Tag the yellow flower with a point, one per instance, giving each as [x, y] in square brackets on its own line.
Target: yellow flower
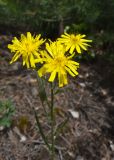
[27, 47]
[57, 63]
[73, 42]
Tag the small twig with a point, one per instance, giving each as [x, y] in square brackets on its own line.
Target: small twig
[80, 99]
[65, 140]
[60, 155]
[60, 127]
[42, 143]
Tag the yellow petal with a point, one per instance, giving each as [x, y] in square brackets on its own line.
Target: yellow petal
[53, 75]
[32, 61]
[42, 71]
[15, 57]
[60, 79]
[78, 48]
[72, 49]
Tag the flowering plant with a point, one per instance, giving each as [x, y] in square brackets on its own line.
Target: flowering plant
[55, 62]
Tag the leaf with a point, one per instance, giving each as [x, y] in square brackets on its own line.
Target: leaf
[74, 114]
[59, 91]
[42, 91]
[5, 122]
[6, 112]
[21, 136]
[23, 123]
[59, 111]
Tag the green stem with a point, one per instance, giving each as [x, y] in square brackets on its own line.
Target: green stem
[43, 97]
[52, 123]
[40, 130]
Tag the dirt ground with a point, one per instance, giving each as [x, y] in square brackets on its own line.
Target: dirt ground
[88, 102]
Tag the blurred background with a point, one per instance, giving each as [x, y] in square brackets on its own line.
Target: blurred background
[53, 17]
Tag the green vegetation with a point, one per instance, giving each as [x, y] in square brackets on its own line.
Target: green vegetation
[6, 111]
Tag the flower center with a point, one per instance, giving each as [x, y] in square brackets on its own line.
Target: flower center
[60, 61]
[74, 39]
[29, 47]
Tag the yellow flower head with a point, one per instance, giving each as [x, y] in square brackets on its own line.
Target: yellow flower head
[27, 47]
[73, 42]
[57, 63]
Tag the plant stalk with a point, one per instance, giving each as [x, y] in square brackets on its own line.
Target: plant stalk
[40, 130]
[52, 123]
